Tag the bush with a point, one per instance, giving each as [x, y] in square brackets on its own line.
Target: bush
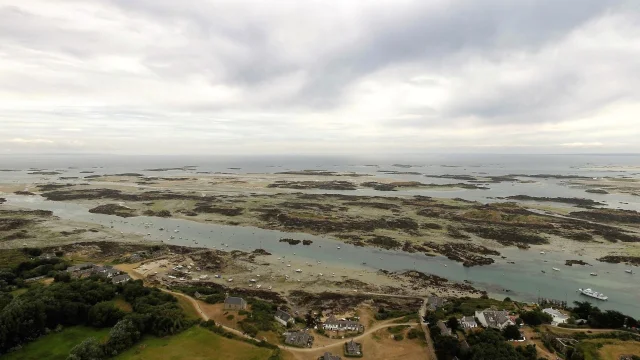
[230, 317]
[535, 317]
[89, 349]
[398, 337]
[415, 333]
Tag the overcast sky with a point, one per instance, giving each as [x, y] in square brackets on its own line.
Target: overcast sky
[334, 77]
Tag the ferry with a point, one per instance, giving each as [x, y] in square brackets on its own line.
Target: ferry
[593, 294]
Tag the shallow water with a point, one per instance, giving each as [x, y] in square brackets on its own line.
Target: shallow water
[524, 279]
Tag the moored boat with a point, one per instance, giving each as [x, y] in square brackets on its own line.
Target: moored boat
[593, 294]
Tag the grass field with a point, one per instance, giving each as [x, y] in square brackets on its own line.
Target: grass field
[606, 349]
[187, 307]
[56, 346]
[195, 343]
[122, 304]
[11, 257]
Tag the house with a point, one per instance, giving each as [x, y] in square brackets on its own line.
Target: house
[468, 322]
[342, 325]
[119, 279]
[106, 271]
[76, 268]
[328, 356]
[234, 303]
[434, 303]
[283, 318]
[558, 317]
[497, 319]
[298, 338]
[352, 348]
[444, 330]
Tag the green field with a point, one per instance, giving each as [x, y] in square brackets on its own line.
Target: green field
[195, 343]
[56, 346]
[187, 307]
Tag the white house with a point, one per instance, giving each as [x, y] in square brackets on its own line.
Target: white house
[494, 319]
[342, 325]
[558, 317]
[468, 322]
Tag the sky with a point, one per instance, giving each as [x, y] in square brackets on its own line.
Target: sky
[319, 77]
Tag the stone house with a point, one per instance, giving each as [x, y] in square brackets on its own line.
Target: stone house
[497, 319]
[298, 338]
[334, 324]
[234, 303]
[283, 317]
[352, 348]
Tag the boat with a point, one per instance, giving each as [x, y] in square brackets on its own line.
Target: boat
[338, 247]
[593, 274]
[629, 271]
[542, 252]
[298, 270]
[593, 294]
[544, 272]
[556, 269]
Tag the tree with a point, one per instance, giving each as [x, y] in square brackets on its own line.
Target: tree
[453, 323]
[123, 335]
[528, 352]
[104, 314]
[511, 332]
[89, 349]
[535, 317]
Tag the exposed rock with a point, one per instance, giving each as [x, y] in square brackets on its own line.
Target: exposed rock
[291, 241]
[575, 262]
[27, 193]
[465, 253]
[44, 173]
[113, 209]
[616, 259]
[324, 185]
[565, 200]
[609, 215]
[597, 191]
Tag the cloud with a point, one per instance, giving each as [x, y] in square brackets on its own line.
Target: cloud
[303, 76]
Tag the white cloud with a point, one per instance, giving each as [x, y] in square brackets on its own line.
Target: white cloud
[160, 76]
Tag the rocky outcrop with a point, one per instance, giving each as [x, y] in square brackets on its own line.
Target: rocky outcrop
[324, 185]
[617, 259]
[114, 209]
[575, 262]
[564, 200]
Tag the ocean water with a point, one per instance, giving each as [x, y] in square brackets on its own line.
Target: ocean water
[523, 281]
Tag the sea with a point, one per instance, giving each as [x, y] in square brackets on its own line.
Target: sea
[523, 281]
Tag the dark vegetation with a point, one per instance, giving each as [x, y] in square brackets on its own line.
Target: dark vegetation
[69, 302]
[488, 344]
[573, 201]
[616, 259]
[324, 185]
[596, 318]
[113, 209]
[609, 215]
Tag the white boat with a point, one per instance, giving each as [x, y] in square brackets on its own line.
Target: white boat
[556, 269]
[258, 286]
[629, 271]
[593, 294]
[542, 252]
[593, 274]
[338, 247]
[298, 270]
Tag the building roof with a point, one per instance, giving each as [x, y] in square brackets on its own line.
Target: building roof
[353, 347]
[555, 313]
[341, 323]
[283, 315]
[299, 338]
[435, 302]
[468, 319]
[120, 278]
[495, 318]
[443, 328]
[329, 356]
[234, 300]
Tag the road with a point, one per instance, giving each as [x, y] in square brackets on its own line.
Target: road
[339, 342]
[427, 334]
